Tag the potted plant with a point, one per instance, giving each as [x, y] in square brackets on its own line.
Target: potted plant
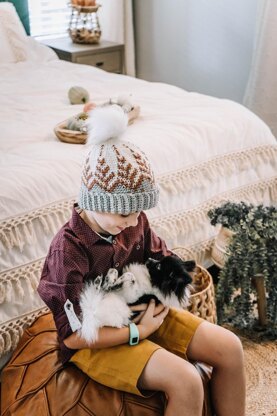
[251, 256]
[227, 216]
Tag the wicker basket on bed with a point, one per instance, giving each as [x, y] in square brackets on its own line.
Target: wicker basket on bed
[69, 136]
[80, 137]
[202, 301]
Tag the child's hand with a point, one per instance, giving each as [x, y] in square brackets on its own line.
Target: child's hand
[141, 309]
[150, 321]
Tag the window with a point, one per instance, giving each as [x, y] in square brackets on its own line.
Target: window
[49, 17]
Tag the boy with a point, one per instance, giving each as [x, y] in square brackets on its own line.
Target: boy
[108, 228]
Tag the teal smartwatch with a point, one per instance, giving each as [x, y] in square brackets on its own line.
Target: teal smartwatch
[134, 334]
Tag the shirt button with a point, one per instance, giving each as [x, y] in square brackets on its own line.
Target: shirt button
[138, 247]
[116, 265]
[114, 241]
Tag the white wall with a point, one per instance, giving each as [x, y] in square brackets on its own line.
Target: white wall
[199, 45]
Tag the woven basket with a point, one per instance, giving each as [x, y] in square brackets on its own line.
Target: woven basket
[69, 136]
[79, 137]
[202, 301]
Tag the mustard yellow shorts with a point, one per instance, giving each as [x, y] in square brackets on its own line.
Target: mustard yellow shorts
[120, 367]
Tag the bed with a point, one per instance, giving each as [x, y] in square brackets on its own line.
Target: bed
[203, 150]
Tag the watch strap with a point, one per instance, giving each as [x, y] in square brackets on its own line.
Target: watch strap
[134, 334]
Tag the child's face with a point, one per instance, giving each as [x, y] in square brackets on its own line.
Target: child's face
[112, 223]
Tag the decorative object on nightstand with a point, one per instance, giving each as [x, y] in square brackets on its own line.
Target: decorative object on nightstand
[84, 24]
[249, 265]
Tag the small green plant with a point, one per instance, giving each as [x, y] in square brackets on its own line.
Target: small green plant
[229, 214]
[252, 252]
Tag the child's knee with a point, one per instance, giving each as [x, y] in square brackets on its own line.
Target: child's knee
[186, 382]
[235, 347]
[233, 354]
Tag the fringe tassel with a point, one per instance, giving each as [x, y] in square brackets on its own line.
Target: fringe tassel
[15, 232]
[19, 292]
[33, 281]
[19, 230]
[15, 339]
[9, 291]
[2, 292]
[44, 224]
[8, 342]
[12, 331]
[2, 343]
[11, 281]
[28, 231]
[188, 221]
[185, 179]
[5, 239]
[29, 286]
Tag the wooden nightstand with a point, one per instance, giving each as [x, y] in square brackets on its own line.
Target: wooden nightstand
[106, 55]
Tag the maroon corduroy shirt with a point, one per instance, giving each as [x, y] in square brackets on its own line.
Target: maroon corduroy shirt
[77, 250]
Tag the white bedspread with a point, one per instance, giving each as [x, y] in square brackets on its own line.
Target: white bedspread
[178, 130]
[203, 150]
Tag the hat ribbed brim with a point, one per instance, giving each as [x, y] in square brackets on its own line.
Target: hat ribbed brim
[117, 203]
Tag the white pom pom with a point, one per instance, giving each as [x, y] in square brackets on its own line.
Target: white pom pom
[106, 123]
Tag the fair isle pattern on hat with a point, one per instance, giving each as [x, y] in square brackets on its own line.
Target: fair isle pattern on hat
[117, 178]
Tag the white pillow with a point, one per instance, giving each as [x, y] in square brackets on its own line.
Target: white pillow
[39, 52]
[13, 38]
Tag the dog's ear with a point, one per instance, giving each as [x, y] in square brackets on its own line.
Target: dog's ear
[177, 284]
[189, 265]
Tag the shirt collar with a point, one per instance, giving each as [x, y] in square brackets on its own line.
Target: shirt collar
[82, 229]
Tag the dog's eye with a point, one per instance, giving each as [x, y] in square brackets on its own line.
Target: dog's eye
[158, 266]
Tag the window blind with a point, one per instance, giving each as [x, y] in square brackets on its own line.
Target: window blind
[49, 17]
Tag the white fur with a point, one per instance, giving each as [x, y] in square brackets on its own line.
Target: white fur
[100, 308]
[105, 123]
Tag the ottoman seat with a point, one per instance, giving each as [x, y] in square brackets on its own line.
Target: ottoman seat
[35, 382]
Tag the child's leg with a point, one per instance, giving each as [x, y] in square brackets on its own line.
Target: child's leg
[221, 349]
[178, 379]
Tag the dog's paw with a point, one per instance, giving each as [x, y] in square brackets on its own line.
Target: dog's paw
[129, 277]
[112, 275]
[98, 282]
[110, 279]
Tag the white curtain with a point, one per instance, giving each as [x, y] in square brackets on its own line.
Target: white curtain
[116, 21]
[261, 91]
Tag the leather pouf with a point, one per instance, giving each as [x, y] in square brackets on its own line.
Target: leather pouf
[34, 383]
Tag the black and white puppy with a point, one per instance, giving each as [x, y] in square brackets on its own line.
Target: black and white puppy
[105, 301]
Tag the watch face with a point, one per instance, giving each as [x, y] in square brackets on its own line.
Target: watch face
[135, 340]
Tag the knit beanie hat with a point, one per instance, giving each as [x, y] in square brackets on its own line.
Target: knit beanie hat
[117, 176]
